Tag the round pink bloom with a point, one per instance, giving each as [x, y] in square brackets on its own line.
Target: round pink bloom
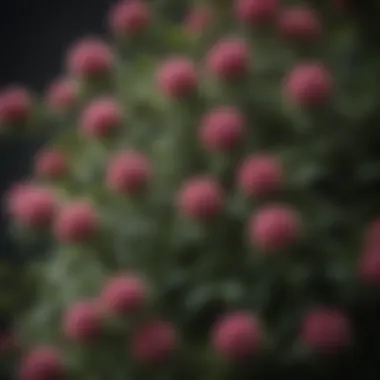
[90, 58]
[198, 20]
[77, 222]
[51, 164]
[222, 129]
[300, 24]
[130, 18]
[274, 228]
[326, 331]
[83, 322]
[101, 118]
[129, 173]
[229, 59]
[16, 105]
[124, 295]
[257, 12]
[369, 267]
[33, 207]
[177, 78]
[237, 336]
[154, 343]
[43, 363]
[16, 194]
[200, 199]
[260, 176]
[62, 95]
[309, 85]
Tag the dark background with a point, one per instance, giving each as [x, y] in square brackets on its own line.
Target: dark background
[34, 36]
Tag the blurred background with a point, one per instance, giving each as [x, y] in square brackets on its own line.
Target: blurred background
[35, 35]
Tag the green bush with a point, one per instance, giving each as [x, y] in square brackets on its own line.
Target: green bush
[209, 197]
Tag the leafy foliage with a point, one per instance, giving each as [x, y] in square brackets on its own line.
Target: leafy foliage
[244, 267]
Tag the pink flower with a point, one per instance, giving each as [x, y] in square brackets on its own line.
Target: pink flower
[177, 78]
[237, 336]
[200, 199]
